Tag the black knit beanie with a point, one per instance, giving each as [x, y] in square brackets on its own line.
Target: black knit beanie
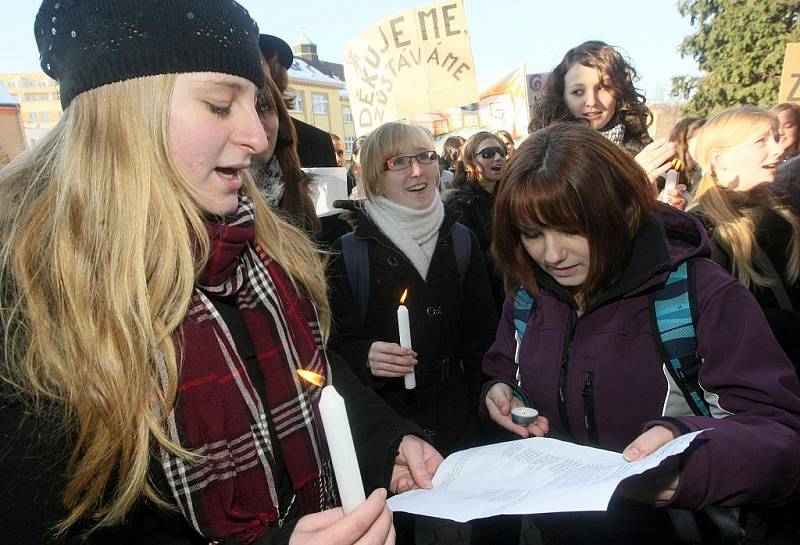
[85, 44]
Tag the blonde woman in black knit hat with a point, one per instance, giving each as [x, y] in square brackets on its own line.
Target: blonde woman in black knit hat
[155, 312]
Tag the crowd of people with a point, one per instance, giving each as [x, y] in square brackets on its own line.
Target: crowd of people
[164, 277]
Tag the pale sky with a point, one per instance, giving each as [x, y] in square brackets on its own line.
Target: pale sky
[504, 33]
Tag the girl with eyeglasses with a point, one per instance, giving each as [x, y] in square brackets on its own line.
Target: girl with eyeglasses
[477, 174]
[410, 243]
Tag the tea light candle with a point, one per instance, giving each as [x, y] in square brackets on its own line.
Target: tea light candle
[524, 416]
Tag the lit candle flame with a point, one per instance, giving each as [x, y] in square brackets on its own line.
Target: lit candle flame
[312, 377]
[403, 297]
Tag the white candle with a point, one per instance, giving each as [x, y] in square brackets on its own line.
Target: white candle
[405, 341]
[340, 446]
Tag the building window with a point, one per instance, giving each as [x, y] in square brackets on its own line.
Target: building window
[320, 103]
[349, 142]
[347, 114]
[298, 101]
[46, 117]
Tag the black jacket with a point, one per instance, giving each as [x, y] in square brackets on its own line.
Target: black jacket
[476, 206]
[452, 320]
[33, 460]
[773, 234]
[314, 146]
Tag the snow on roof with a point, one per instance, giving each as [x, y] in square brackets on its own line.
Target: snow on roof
[303, 70]
[5, 96]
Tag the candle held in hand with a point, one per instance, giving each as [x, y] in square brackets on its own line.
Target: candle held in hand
[404, 328]
[341, 448]
[524, 416]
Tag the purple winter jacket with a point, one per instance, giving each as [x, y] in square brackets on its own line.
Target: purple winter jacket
[606, 365]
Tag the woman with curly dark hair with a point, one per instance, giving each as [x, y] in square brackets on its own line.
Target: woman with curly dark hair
[594, 84]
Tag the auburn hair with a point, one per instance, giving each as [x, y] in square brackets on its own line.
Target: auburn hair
[571, 178]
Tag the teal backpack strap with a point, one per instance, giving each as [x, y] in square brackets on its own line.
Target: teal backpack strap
[356, 263]
[673, 313]
[462, 244]
[524, 307]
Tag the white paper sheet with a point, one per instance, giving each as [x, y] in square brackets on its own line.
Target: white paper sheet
[328, 184]
[527, 476]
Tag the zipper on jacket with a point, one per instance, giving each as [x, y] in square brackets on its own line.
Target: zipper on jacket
[563, 375]
[589, 419]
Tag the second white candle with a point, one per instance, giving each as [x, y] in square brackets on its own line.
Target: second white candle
[404, 328]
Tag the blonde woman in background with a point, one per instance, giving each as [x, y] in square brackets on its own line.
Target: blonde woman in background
[755, 237]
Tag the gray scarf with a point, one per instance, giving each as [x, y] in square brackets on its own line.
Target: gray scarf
[414, 232]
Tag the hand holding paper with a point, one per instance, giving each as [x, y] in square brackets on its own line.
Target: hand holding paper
[535, 475]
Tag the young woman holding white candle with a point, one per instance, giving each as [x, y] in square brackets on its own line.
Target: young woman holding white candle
[155, 312]
[583, 237]
[410, 246]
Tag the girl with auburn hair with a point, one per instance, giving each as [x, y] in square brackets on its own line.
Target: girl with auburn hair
[594, 84]
[754, 235]
[478, 171]
[578, 234]
[155, 312]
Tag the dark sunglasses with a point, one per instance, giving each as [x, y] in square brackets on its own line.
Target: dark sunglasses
[489, 153]
[402, 162]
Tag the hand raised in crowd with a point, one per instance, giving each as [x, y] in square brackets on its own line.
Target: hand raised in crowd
[390, 359]
[657, 486]
[674, 197]
[656, 158]
[415, 465]
[500, 401]
[369, 524]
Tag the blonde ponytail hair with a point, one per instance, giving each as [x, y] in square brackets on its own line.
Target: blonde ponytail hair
[97, 268]
[736, 227]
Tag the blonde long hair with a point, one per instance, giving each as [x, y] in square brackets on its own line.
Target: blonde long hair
[97, 269]
[736, 226]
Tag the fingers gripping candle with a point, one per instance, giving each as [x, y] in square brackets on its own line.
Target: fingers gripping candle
[404, 328]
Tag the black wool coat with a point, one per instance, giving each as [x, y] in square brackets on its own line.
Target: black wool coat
[453, 321]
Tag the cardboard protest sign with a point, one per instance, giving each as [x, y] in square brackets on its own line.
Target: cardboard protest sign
[502, 105]
[414, 62]
[790, 77]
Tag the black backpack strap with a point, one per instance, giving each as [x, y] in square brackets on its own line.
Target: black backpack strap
[462, 244]
[356, 262]
[673, 311]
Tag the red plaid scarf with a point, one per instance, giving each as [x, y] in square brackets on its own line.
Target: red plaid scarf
[219, 415]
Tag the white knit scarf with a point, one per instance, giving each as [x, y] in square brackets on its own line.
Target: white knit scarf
[413, 231]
